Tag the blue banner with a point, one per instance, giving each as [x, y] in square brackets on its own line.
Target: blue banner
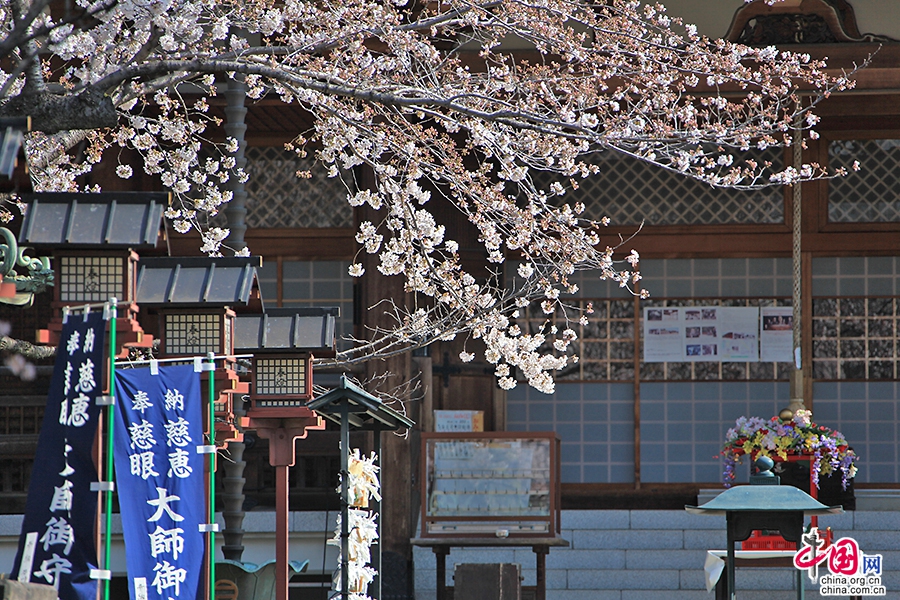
[160, 480]
[57, 546]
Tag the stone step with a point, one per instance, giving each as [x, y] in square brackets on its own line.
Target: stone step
[656, 555]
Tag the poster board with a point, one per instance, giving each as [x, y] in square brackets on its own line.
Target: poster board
[458, 420]
[701, 333]
[776, 333]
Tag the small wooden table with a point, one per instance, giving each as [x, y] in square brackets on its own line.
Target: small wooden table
[540, 545]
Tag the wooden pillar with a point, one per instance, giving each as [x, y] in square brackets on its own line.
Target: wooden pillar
[235, 127]
[282, 435]
[397, 525]
[282, 538]
[233, 497]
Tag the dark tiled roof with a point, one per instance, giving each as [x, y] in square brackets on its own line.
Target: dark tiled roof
[118, 219]
[287, 329]
[196, 281]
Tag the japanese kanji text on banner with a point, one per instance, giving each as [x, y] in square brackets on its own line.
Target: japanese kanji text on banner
[56, 546]
[160, 480]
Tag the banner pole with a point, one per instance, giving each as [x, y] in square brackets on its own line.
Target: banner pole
[211, 366]
[110, 421]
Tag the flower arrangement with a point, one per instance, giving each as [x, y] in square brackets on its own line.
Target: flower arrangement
[797, 435]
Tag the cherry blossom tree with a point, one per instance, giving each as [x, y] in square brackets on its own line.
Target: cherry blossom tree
[459, 99]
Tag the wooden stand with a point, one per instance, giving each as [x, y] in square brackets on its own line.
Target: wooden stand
[441, 548]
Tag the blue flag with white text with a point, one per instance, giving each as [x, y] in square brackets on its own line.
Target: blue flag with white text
[160, 480]
[56, 546]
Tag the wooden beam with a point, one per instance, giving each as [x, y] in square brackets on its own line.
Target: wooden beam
[299, 244]
[722, 244]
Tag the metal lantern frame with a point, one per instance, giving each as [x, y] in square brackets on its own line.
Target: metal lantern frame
[295, 333]
[349, 405]
[284, 337]
[87, 276]
[762, 506]
[202, 292]
[214, 324]
[289, 373]
[85, 230]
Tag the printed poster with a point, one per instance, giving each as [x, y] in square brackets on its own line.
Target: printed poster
[699, 333]
[776, 335]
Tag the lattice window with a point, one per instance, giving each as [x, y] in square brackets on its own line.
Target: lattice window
[312, 283]
[18, 420]
[605, 346]
[629, 191]
[192, 334]
[869, 195]
[278, 198]
[856, 338]
[90, 278]
[16, 474]
[715, 371]
[280, 376]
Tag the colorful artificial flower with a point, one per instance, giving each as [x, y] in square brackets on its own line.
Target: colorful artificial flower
[828, 448]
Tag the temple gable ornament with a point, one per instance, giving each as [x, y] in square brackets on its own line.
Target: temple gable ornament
[797, 22]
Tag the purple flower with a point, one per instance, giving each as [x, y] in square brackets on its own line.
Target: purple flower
[753, 434]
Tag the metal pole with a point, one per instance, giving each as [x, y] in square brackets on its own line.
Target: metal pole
[211, 419]
[181, 359]
[376, 551]
[729, 565]
[345, 500]
[110, 421]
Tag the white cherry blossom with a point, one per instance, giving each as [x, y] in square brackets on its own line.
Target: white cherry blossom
[430, 100]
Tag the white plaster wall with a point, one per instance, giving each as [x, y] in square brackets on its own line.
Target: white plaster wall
[878, 16]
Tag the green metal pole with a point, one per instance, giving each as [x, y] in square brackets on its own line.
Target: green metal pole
[345, 499]
[211, 361]
[110, 422]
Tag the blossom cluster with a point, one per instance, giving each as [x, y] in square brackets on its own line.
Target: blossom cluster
[827, 448]
[432, 103]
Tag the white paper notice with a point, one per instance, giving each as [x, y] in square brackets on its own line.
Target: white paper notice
[663, 335]
[140, 588]
[739, 334]
[27, 563]
[701, 333]
[776, 336]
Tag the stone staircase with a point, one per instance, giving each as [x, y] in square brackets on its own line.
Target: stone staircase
[659, 555]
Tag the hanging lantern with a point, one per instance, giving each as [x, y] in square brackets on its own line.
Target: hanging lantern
[193, 299]
[93, 238]
[93, 241]
[283, 341]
